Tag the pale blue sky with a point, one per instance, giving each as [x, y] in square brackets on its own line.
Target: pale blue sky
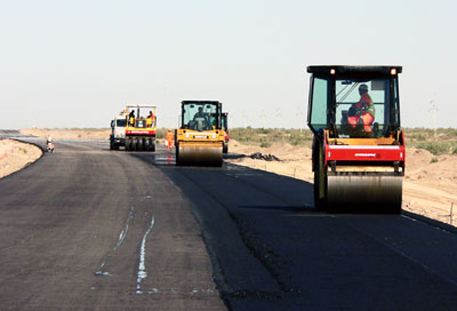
[77, 63]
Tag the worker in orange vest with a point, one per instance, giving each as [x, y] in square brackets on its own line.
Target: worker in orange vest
[362, 111]
[169, 139]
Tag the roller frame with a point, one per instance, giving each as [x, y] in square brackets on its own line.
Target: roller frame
[369, 177]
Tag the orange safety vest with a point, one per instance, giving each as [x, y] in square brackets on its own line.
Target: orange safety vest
[169, 137]
[365, 100]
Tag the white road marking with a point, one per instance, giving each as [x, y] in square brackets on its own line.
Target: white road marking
[142, 274]
[121, 238]
[194, 291]
[124, 231]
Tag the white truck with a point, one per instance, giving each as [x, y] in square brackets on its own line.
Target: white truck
[117, 137]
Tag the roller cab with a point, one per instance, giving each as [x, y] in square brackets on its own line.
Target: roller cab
[200, 138]
[358, 145]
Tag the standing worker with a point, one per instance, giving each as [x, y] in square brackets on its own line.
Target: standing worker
[169, 139]
[150, 119]
[131, 119]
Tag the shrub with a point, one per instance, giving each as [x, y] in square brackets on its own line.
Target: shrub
[265, 144]
[434, 147]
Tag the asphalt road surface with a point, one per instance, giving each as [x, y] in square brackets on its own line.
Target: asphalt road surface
[89, 228]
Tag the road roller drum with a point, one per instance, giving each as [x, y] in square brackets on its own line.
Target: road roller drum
[204, 155]
[351, 190]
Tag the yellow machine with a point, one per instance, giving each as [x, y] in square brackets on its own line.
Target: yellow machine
[200, 139]
[140, 130]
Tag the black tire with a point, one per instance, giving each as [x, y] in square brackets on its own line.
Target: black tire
[140, 144]
[134, 144]
[127, 144]
[147, 144]
[225, 148]
[153, 145]
[320, 180]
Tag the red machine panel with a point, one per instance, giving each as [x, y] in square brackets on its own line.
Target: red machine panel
[364, 153]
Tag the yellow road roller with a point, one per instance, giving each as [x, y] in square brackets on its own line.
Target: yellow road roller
[200, 138]
[358, 154]
[140, 129]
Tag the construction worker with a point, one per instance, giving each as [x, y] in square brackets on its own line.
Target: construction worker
[132, 118]
[363, 111]
[169, 139]
[200, 113]
[48, 139]
[201, 120]
[149, 119]
[49, 144]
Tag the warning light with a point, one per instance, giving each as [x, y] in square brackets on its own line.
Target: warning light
[393, 71]
[332, 71]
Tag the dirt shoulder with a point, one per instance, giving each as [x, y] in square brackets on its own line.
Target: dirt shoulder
[429, 187]
[15, 155]
[68, 133]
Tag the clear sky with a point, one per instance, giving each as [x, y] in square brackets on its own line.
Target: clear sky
[77, 63]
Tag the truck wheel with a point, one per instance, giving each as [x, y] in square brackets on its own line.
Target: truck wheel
[153, 146]
[127, 144]
[134, 143]
[140, 144]
[145, 144]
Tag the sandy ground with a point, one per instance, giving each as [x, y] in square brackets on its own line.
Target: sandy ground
[15, 155]
[68, 133]
[429, 188]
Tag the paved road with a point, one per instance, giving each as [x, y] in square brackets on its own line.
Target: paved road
[87, 228]
[116, 230]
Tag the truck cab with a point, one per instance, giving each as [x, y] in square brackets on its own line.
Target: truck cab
[117, 137]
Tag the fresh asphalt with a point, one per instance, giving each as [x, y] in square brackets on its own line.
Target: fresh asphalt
[90, 228]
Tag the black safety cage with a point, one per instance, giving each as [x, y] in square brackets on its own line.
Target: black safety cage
[215, 116]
